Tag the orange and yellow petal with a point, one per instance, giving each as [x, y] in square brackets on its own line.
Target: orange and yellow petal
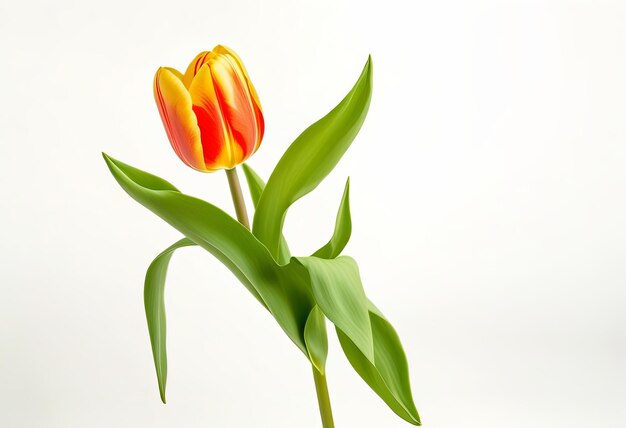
[260, 124]
[237, 105]
[215, 134]
[175, 107]
[258, 111]
[224, 50]
[194, 67]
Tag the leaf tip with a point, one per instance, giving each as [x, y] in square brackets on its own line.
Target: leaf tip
[162, 392]
[109, 161]
[366, 77]
[369, 64]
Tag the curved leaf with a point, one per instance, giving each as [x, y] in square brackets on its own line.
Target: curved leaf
[154, 286]
[316, 339]
[343, 229]
[388, 376]
[230, 242]
[309, 159]
[256, 185]
[337, 289]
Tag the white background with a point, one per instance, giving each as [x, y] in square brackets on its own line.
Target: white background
[488, 196]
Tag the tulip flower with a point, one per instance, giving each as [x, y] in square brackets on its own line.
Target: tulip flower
[212, 115]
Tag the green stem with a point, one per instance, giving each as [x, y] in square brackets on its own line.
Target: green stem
[323, 399]
[238, 201]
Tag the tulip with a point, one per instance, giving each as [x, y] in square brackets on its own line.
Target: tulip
[212, 115]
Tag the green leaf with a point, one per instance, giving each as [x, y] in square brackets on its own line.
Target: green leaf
[256, 185]
[337, 289]
[316, 339]
[388, 376]
[154, 284]
[153, 291]
[309, 159]
[343, 229]
[282, 291]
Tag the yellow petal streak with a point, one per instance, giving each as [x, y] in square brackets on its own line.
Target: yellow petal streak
[175, 106]
[220, 49]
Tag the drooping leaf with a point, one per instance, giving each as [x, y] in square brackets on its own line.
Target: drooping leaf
[309, 159]
[154, 286]
[343, 229]
[229, 241]
[388, 376]
[256, 185]
[316, 339]
[337, 289]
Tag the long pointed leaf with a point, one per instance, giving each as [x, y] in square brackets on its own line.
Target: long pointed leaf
[256, 185]
[343, 229]
[229, 242]
[388, 376]
[309, 159]
[154, 287]
[153, 291]
[388, 373]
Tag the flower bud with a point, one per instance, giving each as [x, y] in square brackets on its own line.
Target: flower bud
[212, 115]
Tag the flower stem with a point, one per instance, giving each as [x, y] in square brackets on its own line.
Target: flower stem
[238, 201]
[323, 399]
